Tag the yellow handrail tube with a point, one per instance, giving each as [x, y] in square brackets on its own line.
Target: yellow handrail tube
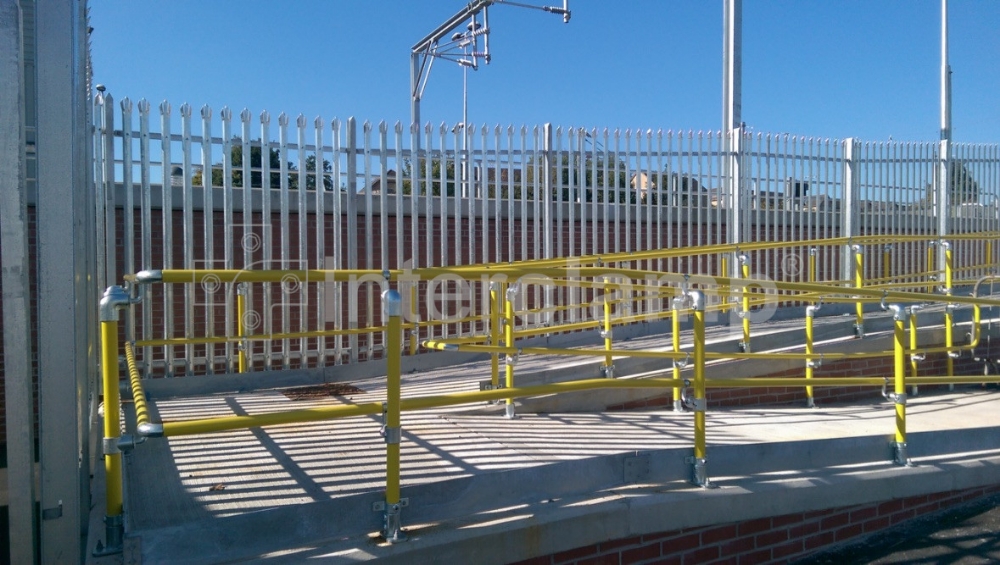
[135, 383]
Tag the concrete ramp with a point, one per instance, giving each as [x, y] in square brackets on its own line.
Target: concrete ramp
[536, 484]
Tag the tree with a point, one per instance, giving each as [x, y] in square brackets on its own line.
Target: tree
[962, 187]
[274, 163]
[435, 178]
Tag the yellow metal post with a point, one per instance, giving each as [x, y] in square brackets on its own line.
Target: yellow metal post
[496, 309]
[886, 260]
[948, 270]
[899, 384]
[989, 253]
[723, 289]
[112, 424]
[810, 363]
[699, 463]
[675, 327]
[508, 338]
[948, 317]
[745, 270]
[930, 260]
[608, 369]
[241, 329]
[414, 313]
[914, 358]
[114, 299]
[812, 264]
[949, 340]
[392, 302]
[859, 282]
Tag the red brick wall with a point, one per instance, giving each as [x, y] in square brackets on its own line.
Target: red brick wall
[934, 364]
[777, 539]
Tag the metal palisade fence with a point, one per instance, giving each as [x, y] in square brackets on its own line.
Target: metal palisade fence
[222, 191]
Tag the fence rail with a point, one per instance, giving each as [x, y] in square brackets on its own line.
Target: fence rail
[240, 192]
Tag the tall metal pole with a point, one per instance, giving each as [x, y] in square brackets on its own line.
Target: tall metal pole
[944, 178]
[732, 132]
[945, 76]
[65, 265]
[732, 60]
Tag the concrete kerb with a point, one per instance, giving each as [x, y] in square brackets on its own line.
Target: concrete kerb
[512, 513]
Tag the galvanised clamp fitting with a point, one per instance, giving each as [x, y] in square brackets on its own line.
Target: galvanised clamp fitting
[899, 454]
[897, 398]
[512, 359]
[392, 529]
[392, 435]
[682, 364]
[815, 363]
[114, 537]
[607, 372]
[699, 472]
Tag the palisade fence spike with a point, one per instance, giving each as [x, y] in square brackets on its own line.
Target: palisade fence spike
[245, 115]
[164, 108]
[143, 106]
[318, 124]
[398, 126]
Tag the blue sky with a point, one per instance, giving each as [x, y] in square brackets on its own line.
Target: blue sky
[831, 68]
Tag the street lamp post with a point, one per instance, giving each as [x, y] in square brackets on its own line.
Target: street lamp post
[423, 53]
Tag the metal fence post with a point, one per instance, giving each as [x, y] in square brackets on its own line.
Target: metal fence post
[849, 212]
[16, 297]
[352, 232]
